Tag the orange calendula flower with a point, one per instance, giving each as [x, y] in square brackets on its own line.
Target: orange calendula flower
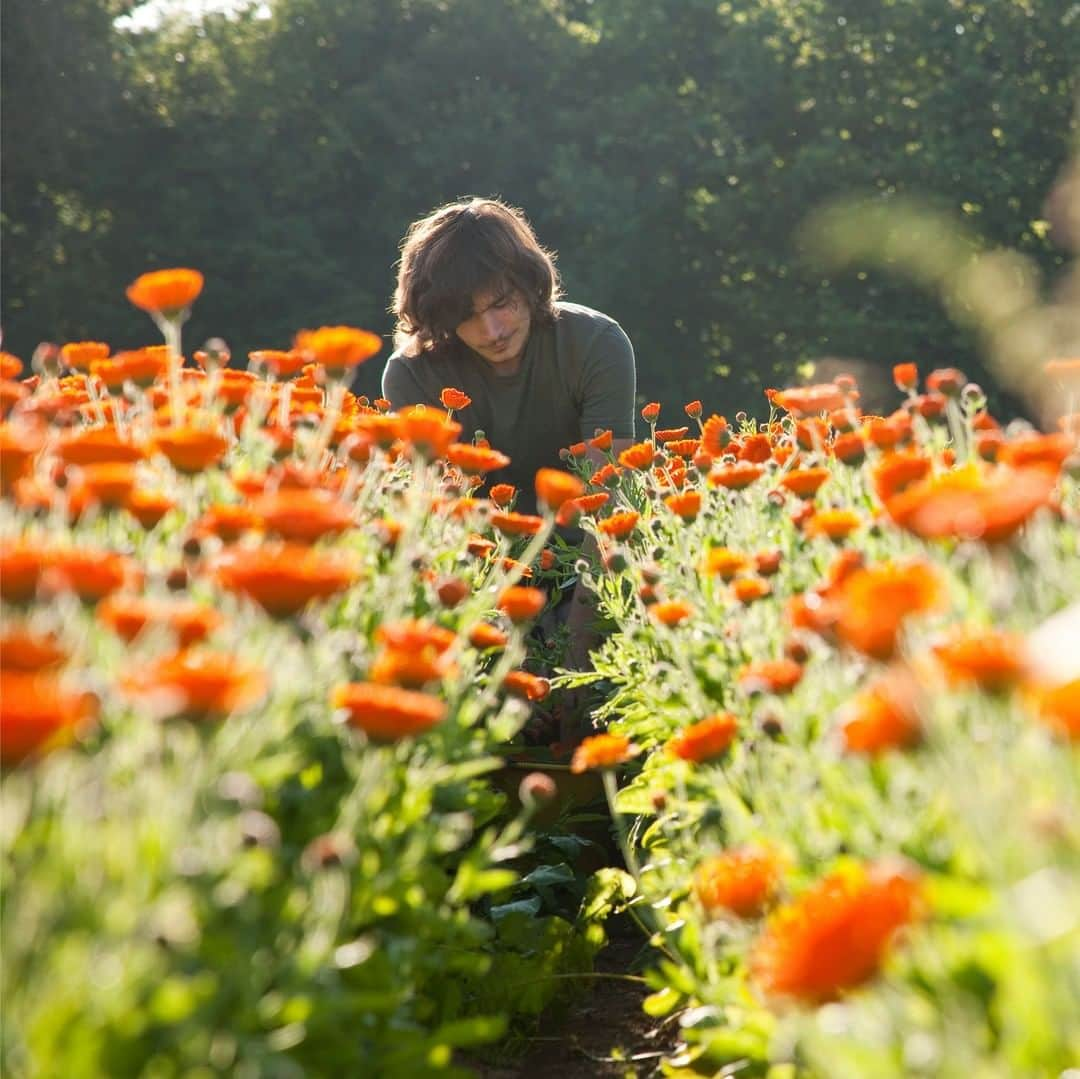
[602, 751]
[873, 604]
[190, 449]
[755, 449]
[503, 494]
[970, 504]
[302, 516]
[811, 400]
[553, 487]
[946, 380]
[415, 635]
[284, 579]
[454, 399]
[736, 477]
[484, 635]
[21, 649]
[705, 740]
[527, 686]
[887, 432]
[638, 457]
[197, 685]
[812, 434]
[517, 524]
[79, 355]
[686, 504]
[1046, 451]
[671, 612]
[128, 616]
[90, 574]
[338, 348]
[768, 561]
[141, 367]
[1059, 708]
[21, 567]
[19, 445]
[849, 448]
[281, 363]
[771, 676]
[97, 445]
[602, 441]
[740, 881]
[606, 476]
[670, 434]
[881, 717]
[109, 484]
[906, 376]
[989, 659]
[835, 936]
[37, 714]
[749, 589]
[687, 448]
[11, 365]
[619, 525]
[427, 430]
[166, 291]
[520, 604]
[387, 713]
[834, 524]
[715, 435]
[650, 412]
[805, 482]
[725, 563]
[475, 460]
[693, 409]
[412, 669]
[896, 471]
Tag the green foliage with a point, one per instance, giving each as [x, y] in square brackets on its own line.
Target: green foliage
[668, 150]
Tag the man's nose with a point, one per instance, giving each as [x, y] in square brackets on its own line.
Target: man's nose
[493, 324]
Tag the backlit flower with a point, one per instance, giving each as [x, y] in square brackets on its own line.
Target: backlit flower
[770, 676]
[619, 525]
[706, 739]
[755, 448]
[21, 649]
[412, 668]
[735, 477]
[484, 635]
[882, 717]
[724, 563]
[529, 687]
[836, 935]
[990, 659]
[969, 504]
[128, 616]
[97, 445]
[302, 516]
[79, 355]
[740, 881]
[517, 524]
[190, 449]
[749, 589]
[805, 482]
[553, 487]
[429, 432]
[90, 573]
[906, 376]
[1059, 708]
[284, 579]
[280, 363]
[811, 400]
[715, 435]
[873, 604]
[650, 412]
[520, 603]
[834, 524]
[195, 684]
[1048, 451]
[387, 713]
[37, 714]
[338, 348]
[946, 380]
[602, 441]
[166, 291]
[638, 457]
[896, 471]
[671, 612]
[454, 399]
[686, 504]
[602, 751]
[475, 460]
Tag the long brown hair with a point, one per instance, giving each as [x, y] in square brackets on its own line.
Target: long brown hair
[461, 249]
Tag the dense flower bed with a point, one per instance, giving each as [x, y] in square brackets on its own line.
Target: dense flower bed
[261, 653]
[844, 690]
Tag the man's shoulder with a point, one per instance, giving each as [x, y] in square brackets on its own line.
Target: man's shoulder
[577, 318]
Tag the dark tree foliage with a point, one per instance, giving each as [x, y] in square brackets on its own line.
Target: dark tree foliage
[668, 149]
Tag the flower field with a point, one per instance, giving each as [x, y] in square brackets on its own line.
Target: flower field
[267, 666]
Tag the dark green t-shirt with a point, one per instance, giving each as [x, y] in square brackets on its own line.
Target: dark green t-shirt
[576, 376]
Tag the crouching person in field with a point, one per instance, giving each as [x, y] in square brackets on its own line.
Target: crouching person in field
[479, 308]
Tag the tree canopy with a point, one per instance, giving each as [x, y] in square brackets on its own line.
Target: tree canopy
[669, 150]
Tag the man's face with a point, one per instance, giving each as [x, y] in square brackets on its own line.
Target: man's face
[498, 327]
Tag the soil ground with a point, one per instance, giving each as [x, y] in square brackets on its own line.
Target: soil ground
[604, 1034]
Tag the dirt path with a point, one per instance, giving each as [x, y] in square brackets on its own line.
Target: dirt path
[604, 1034]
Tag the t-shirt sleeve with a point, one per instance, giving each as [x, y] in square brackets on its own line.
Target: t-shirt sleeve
[400, 386]
[608, 385]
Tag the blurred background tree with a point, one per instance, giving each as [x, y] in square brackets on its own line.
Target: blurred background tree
[667, 149]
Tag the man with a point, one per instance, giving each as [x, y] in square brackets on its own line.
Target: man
[478, 308]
